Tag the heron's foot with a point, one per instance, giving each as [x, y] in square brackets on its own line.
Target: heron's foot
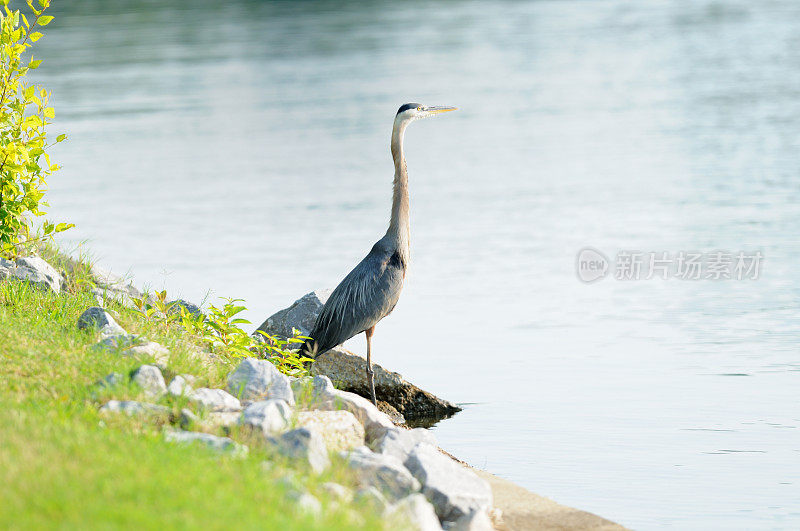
[371, 380]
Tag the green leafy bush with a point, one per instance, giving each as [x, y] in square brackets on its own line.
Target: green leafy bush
[24, 115]
[219, 332]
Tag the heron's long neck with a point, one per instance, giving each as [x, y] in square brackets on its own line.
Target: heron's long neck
[399, 225]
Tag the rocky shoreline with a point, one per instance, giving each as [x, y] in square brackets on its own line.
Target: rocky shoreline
[311, 423]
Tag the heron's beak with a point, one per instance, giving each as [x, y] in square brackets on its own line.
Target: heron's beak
[440, 109]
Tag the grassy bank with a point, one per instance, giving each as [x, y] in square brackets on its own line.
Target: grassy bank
[65, 464]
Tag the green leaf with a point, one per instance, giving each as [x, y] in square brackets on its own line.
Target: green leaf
[45, 20]
[61, 137]
[34, 64]
[35, 36]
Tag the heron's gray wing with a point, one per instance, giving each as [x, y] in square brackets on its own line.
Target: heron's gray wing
[365, 296]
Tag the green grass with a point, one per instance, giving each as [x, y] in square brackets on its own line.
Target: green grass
[64, 465]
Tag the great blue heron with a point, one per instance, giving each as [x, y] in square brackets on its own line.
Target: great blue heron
[371, 290]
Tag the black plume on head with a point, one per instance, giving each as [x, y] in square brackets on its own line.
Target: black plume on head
[408, 106]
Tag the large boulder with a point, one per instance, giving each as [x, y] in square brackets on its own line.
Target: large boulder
[302, 314]
[33, 270]
[454, 490]
[384, 472]
[340, 429]
[254, 379]
[348, 370]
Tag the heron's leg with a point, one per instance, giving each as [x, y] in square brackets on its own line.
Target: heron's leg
[370, 373]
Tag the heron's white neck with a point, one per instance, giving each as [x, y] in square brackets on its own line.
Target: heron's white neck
[399, 224]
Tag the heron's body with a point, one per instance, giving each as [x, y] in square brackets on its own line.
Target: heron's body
[371, 290]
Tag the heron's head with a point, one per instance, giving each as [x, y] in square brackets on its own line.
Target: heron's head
[415, 111]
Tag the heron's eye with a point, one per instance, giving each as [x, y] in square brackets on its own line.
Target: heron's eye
[419, 108]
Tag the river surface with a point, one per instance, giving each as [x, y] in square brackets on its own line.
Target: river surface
[241, 149]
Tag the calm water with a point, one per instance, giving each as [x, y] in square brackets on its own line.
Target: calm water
[242, 148]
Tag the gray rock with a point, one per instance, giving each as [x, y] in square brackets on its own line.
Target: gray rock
[223, 444]
[179, 386]
[477, 520]
[302, 314]
[268, 416]
[371, 497]
[150, 379]
[33, 270]
[305, 502]
[220, 419]
[340, 429]
[348, 370]
[188, 419]
[325, 397]
[417, 511]
[453, 489]
[303, 444]
[149, 349]
[176, 305]
[337, 491]
[131, 407]
[399, 442]
[109, 282]
[384, 472]
[111, 380]
[215, 399]
[119, 341]
[96, 318]
[255, 379]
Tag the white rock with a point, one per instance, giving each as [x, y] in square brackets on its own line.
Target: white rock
[303, 444]
[418, 512]
[306, 503]
[179, 386]
[149, 349]
[325, 397]
[254, 379]
[453, 489]
[33, 270]
[337, 491]
[150, 379]
[399, 442]
[131, 407]
[340, 429]
[212, 441]
[268, 416]
[384, 472]
[215, 399]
